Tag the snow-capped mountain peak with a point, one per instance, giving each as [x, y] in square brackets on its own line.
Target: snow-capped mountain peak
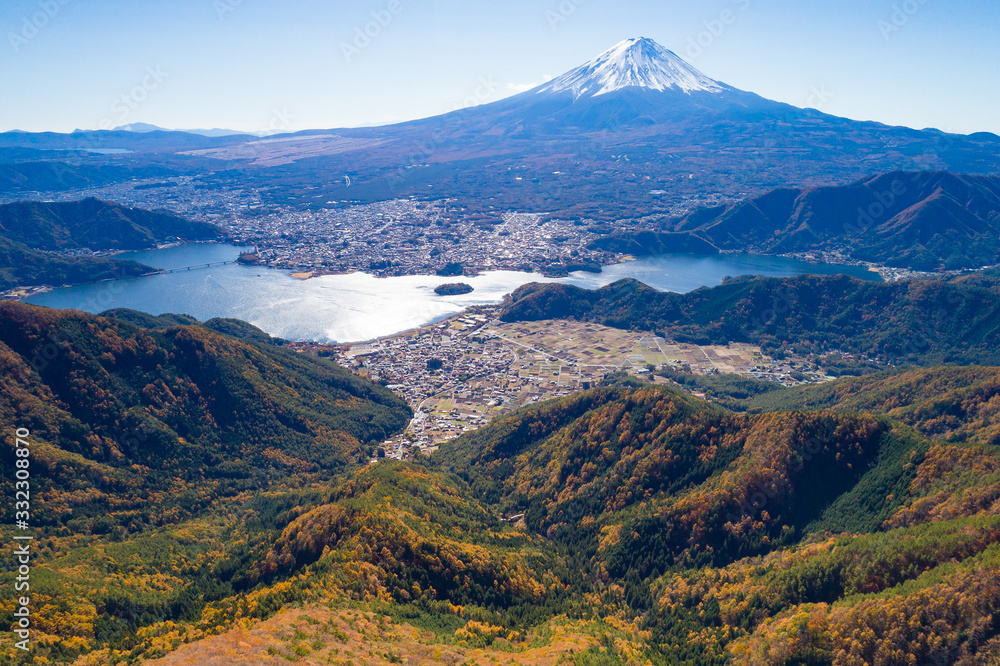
[633, 63]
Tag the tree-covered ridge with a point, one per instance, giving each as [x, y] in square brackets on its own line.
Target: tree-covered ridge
[960, 404]
[394, 537]
[31, 230]
[412, 534]
[653, 480]
[95, 224]
[922, 588]
[919, 220]
[923, 321]
[193, 479]
[922, 595]
[146, 320]
[22, 266]
[234, 328]
[779, 486]
[119, 410]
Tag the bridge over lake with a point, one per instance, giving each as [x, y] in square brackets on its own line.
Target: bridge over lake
[178, 269]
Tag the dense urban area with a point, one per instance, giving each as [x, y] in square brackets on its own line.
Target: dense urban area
[403, 236]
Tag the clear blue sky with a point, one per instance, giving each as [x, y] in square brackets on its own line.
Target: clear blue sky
[254, 64]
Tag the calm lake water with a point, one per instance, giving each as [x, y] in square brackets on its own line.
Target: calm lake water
[347, 308]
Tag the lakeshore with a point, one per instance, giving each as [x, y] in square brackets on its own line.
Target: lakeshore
[360, 306]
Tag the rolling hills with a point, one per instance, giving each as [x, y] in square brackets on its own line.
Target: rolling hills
[97, 225]
[197, 494]
[22, 266]
[661, 476]
[857, 525]
[914, 321]
[613, 526]
[957, 404]
[920, 220]
[32, 234]
[127, 413]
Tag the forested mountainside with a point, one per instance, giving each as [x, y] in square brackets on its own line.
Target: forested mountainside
[32, 234]
[194, 481]
[22, 266]
[124, 413]
[953, 403]
[923, 220]
[926, 322]
[802, 537]
[95, 224]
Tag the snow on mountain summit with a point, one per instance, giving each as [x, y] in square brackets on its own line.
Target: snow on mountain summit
[633, 63]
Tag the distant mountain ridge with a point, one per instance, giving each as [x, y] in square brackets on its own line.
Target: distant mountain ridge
[95, 224]
[30, 231]
[216, 131]
[921, 220]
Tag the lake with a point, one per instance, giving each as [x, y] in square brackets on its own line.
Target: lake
[355, 307]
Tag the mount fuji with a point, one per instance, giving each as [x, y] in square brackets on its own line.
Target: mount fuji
[635, 83]
[633, 63]
[636, 131]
